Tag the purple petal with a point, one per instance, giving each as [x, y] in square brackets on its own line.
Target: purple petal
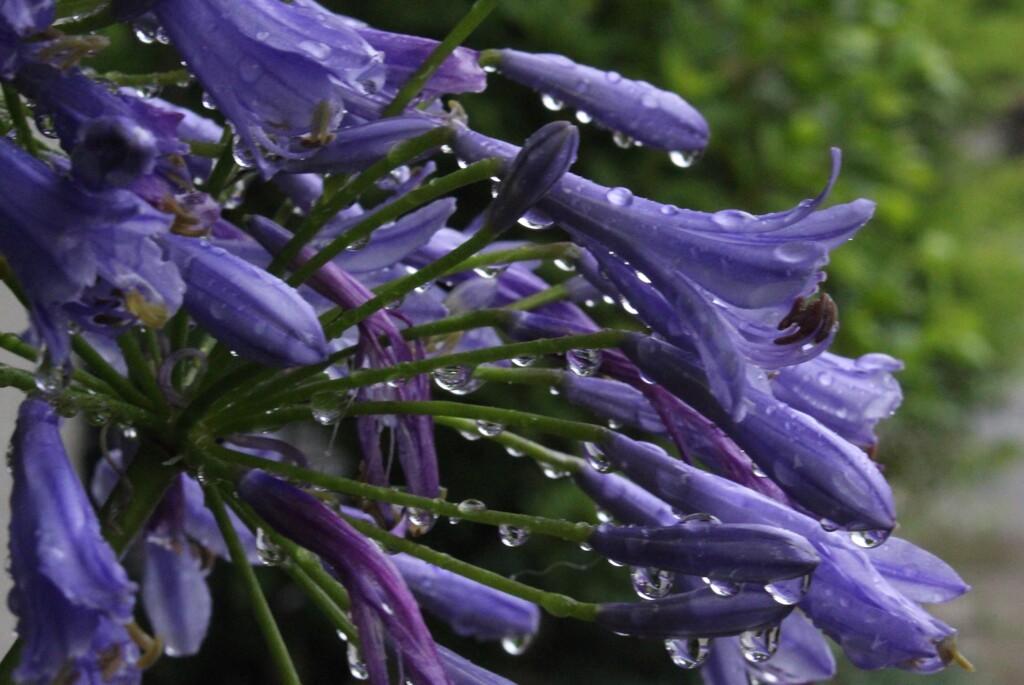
[403, 55]
[917, 573]
[651, 116]
[464, 672]
[175, 595]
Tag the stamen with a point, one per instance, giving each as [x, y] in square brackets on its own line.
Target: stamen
[815, 320]
[948, 651]
[184, 221]
[320, 134]
[151, 647]
[65, 52]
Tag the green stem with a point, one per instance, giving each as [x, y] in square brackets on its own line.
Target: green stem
[438, 187]
[135, 497]
[217, 181]
[554, 603]
[140, 370]
[17, 112]
[326, 208]
[459, 322]
[400, 287]
[551, 294]
[291, 394]
[107, 373]
[94, 15]
[559, 461]
[517, 254]
[565, 530]
[551, 378]
[157, 78]
[261, 609]
[477, 13]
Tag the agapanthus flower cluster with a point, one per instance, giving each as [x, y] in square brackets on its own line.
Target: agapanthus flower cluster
[198, 282]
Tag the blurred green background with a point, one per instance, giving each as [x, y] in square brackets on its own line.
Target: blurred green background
[926, 99]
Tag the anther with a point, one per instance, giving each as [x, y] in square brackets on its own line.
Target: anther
[815, 320]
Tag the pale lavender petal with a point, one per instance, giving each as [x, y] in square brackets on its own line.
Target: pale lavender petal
[175, 595]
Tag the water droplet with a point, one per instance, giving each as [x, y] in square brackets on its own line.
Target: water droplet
[689, 653]
[356, 667]
[614, 424]
[145, 35]
[420, 520]
[329, 407]
[722, 588]
[669, 210]
[45, 125]
[758, 471]
[869, 538]
[514, 452]
[620, 197]
[49, 378]
[651, 583]
[471, 506]
[490, 69]
[699, 517]
[397, 382]
[583, 117]
[262, 36]
[457, 380]
[584, 362]
[759, 646]
[554, 391]
[605, 517]
[242, 154]
[825, 379]
[511, 536]
[565, 265]
[341, 635]
[490, 271]
[208, 102]
[269, 552]
[489, 429]
[790, 591]
[97, 418]
[315, 49]
[596, 457]
[358, 244]
[553, 473]
[732, 218]
[535, 220]
[829, 526]
[623, 140]
[471, 436]
[628, 306]
[525, 360]
[682, 158]
[516, 645]
[551, 103]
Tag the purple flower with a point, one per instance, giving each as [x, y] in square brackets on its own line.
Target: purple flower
[849, 599]
[849, 396]
[71, 595]
[635, 109]
[255, 314]
[278, 71]
[734, 552]
[380, 599]
[699, 613]
[113, 138]
[544, 158]
[464, 672]
[82, 257]
[470, 608]
[20, 19]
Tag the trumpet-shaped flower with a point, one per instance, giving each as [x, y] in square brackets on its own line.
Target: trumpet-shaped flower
[71, 595]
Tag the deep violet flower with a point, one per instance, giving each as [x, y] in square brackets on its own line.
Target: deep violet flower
[279, 71]
[71, 595]
[635, 109]
[20, 19]
[380, 599]
[82, 257]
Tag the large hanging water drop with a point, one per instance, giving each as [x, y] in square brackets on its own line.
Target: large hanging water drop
[356, 666]
[689, 653]
[651, 583]
[759, 646]
[868, 539]
[457, 380]
[584, 363]
[790, 591]
[722, 588]
[269, 552]
[512, 536]
[516, 644]
[596, 457]
[420, 521]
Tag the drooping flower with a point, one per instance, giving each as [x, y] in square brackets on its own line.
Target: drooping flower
[380, 599]
[279, 71]
[83, 257]
[71, 595]
[634, 109]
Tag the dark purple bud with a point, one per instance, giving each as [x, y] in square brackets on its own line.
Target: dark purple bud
[733, 552]
[623, 499]
[699, 613]
[255, 314]
[635, 109]
[357, 147]
[470, 608]
[380, 599]
[545, 157]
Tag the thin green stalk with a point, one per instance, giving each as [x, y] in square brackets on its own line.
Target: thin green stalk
[18, 118]
[518, 445]
[156, 78]
[94, 15]
[140, 369]
[458, 322]
[217, 181]
[554, 603]
[477, 13]
[327, 207]
[261, 609]
[291, 394]
[135, 497]
[551, 378]
[400, 287]
[438, 187]
[565, 530]
[107, 373]
[554, 293]
[524, 253]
